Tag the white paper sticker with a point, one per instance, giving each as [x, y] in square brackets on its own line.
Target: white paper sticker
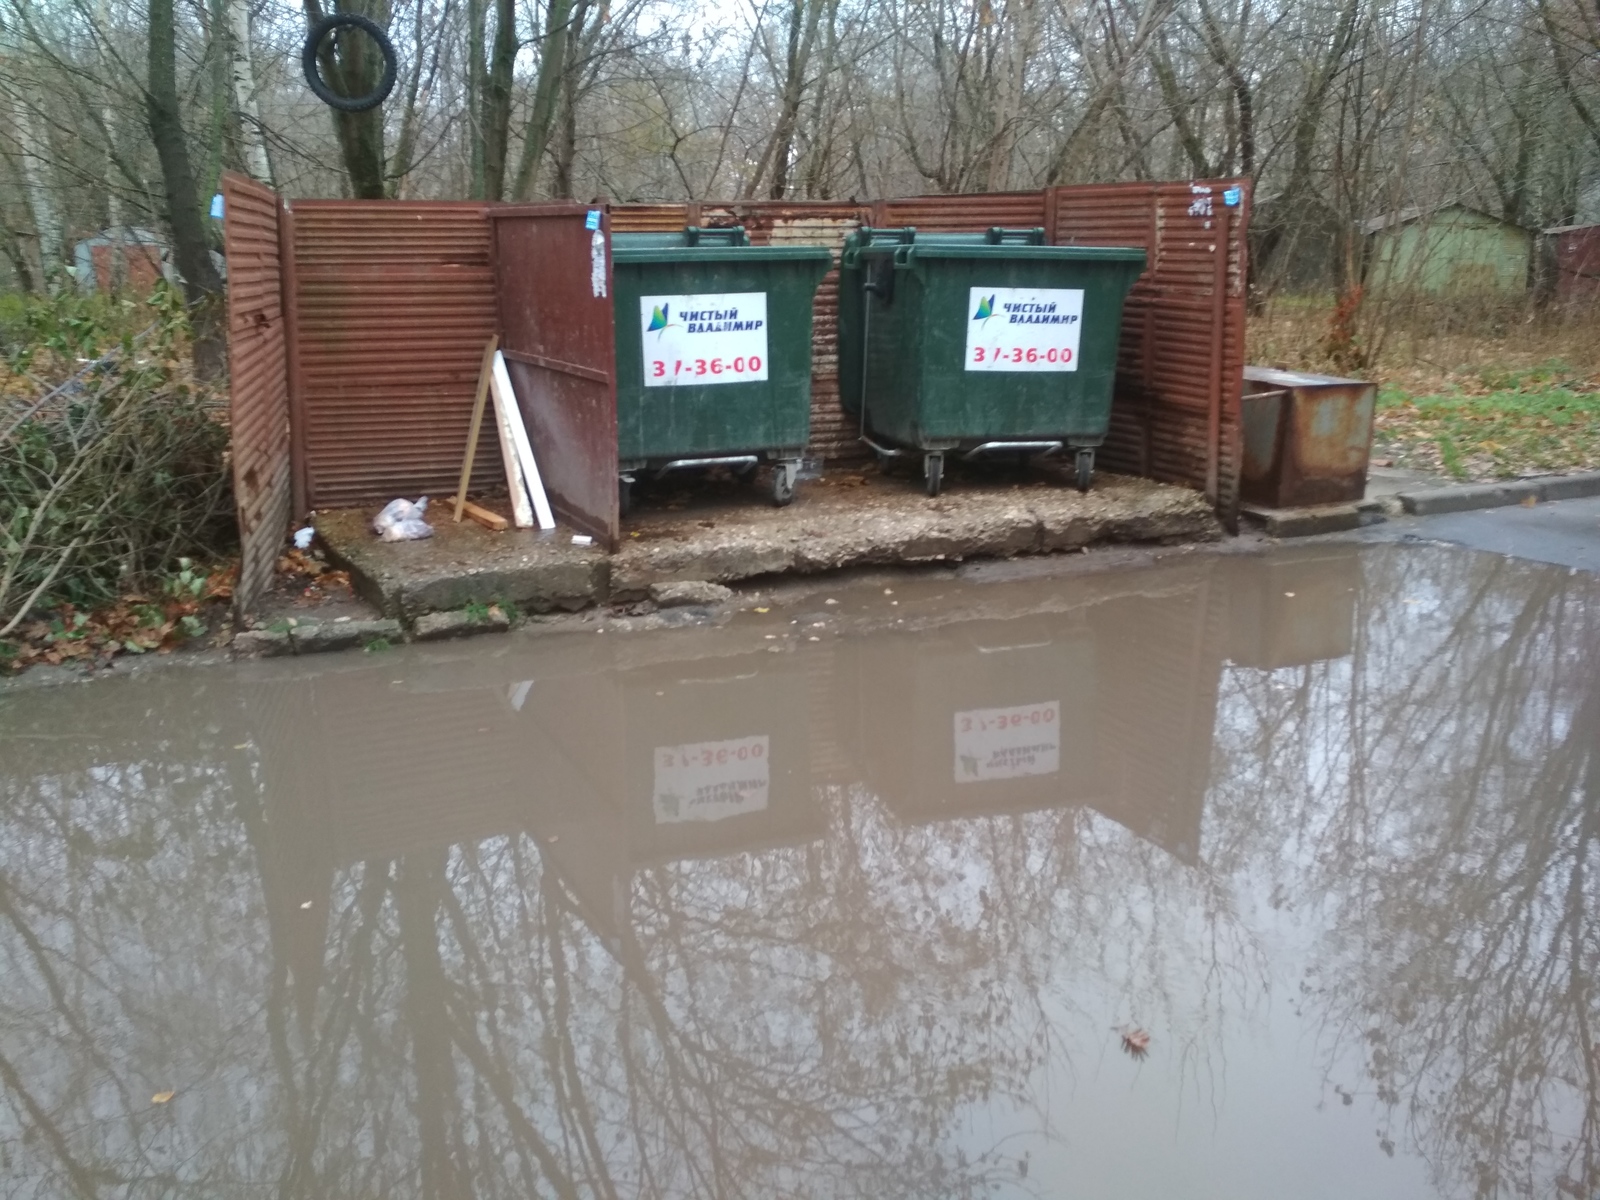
[1007, 743]
[597, 264]
[1023, 329]
[714, 337]
[710, 781]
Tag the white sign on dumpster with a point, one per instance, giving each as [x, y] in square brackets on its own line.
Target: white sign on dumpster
[711, 781]
[1008, 743]
[1023, 329]
[711, 337]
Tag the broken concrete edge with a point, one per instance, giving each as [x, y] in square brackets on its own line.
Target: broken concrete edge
[1309, 522]
[1498, 495]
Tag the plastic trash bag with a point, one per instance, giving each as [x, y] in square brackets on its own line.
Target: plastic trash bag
[395, 512]
[304, 537]
[409, 530]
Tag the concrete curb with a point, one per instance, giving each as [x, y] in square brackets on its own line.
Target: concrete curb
[1497, 495]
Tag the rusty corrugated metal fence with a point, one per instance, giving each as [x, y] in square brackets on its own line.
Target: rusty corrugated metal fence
[259, 391]
[393, 302]
[389, 303]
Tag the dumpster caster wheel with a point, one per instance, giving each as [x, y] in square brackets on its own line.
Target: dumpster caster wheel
[933, 472]
[624, 497]
[783, 482]
[1085, 469]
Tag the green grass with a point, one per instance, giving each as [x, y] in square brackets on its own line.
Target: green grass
[1529, 422]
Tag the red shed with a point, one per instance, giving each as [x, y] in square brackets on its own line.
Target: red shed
[1577, 263]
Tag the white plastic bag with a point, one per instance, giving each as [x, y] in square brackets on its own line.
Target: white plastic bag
[409, 530]
[395, 512]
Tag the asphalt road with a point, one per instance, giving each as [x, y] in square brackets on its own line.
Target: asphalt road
[1565, 532]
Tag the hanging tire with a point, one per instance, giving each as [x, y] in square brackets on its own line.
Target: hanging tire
[933, 472]
[313, 72]
[1085, 469]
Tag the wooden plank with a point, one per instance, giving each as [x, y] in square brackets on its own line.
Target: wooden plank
[519, 436]
[485, 369]
[505, 404]
[480, 514]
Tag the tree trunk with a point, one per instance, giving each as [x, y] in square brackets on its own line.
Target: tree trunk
[495, 122]
[552, 73]
[35, 165]
[190, 247]
[352, 66]
[247, 111]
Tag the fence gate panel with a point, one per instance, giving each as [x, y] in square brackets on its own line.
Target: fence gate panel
[554, 283]
[259, 381]
[1180, 364]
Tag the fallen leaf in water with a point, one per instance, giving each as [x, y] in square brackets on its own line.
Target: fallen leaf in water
[162, 1097]
[1135, 1041]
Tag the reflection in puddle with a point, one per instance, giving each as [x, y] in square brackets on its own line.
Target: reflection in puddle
[709, 913]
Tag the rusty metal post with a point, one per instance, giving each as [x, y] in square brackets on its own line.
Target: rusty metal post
[299, 481]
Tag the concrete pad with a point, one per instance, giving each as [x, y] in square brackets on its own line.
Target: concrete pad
[869, 519]
[723, 533]
[437, 626]
[1306, 522]
[463, 564]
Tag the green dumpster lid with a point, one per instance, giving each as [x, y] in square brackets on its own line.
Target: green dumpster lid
[948, 249]
[694, 244]
[657, 253]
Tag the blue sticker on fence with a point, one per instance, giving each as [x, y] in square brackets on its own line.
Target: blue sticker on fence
[1231, 197]
[216, 207]
[592, 221]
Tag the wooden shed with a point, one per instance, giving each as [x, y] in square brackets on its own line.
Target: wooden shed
[1451, 250]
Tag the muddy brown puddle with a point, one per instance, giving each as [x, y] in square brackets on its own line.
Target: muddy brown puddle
[876, 898]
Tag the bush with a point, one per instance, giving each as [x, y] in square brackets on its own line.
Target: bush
[109, 475]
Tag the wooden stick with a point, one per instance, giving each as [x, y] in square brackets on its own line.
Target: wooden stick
[484, 372]
[483, 516]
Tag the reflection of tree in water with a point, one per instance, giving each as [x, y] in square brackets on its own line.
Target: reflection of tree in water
[1441, 790]
[810, 1020]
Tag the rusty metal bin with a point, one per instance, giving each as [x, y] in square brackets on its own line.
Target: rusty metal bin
[1307, 438]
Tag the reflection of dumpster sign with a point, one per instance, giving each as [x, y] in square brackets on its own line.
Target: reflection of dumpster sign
[713, 337]
[1023, 329]
[1008, 743]
[710, 781]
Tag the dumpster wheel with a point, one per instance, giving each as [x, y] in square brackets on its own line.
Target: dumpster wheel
[1085, 467]
[624, 496]
[933, 472]
[783, 476]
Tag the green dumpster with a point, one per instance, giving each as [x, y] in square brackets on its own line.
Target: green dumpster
[978, 344]
[713, 353]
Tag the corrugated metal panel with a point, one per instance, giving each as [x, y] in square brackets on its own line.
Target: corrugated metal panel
[1181, 358]
[259, 381]
[968, 213]
[395, 302]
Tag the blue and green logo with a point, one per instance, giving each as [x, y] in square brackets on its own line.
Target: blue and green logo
[985, 308]
[660, 316]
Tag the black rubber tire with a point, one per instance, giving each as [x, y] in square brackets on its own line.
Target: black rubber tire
[933, 472]
[782, 489]
[624, 497]
[314, 80]
[1085, 469]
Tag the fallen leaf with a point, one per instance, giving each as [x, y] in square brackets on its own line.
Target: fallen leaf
[763, 610]
[162, 1097]
[1135, 1041]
